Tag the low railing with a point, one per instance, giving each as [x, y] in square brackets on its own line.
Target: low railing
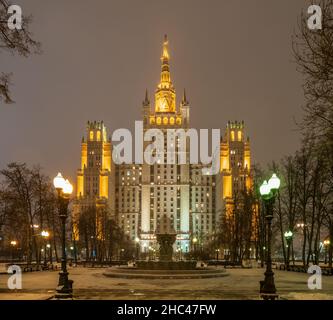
[327, 271]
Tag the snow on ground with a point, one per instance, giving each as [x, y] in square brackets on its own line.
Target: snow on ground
[89, 283]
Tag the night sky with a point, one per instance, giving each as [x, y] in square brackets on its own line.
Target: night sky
[233, 57]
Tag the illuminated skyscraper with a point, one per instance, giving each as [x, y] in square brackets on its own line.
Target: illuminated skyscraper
[95, 176]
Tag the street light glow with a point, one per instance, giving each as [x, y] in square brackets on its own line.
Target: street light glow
[68, 188]
[274, 182]
[59, 181]
[265, 189]
[288, 234]
[45, 234]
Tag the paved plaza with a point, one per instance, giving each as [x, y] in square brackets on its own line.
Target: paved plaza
[90, 283]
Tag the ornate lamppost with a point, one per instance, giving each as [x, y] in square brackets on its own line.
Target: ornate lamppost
[64, 190]
[268, 193]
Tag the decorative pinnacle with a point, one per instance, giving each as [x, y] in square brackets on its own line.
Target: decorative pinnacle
[184, 101]
[146, 102]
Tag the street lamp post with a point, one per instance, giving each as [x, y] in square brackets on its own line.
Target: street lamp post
[45, 235]
[288, 236]
[50, 253]
[217, 254]
[268, 193]
[195, 240]
[64, 189]
[137, 241]
[326, 245]
[13, 244]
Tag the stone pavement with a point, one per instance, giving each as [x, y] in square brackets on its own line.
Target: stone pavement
[89, 283]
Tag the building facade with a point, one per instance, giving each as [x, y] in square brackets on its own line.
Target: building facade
[141, 196]
[95, 178]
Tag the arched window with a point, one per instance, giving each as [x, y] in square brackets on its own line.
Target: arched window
[239, 135]
[232, 134]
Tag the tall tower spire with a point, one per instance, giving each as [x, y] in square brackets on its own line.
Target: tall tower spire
[165, 72]
[165, 97]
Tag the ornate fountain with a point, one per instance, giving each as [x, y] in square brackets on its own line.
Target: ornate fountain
[166, 237]
[165, 267]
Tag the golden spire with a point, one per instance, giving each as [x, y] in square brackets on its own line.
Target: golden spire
[165, 94]
[165, 71]
[165, 54]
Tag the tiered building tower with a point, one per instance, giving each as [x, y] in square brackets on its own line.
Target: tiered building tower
[142, 196]
[235, 164]
[95, 177]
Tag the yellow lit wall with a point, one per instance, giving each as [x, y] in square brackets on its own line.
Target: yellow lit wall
[239, 135]
[103, 186]
[227, 187]
[225, 165]
[106, 161]
[84, 154]
[247, 156]
[80, 185]
[248, 183]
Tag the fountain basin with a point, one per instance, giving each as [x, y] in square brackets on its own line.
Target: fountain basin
[135, 273]
[166, 265]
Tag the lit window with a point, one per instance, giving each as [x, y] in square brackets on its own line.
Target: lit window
[98, 136]
[158, 120]
[91, 136]
[239, 135]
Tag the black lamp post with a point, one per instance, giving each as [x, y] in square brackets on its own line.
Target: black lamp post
[268, 193]
[137, 241]
[64, 189]
[217, 254]
[288, 236]
[45, 235]
[13, 245]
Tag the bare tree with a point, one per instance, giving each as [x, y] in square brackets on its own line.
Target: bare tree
[27, 198]
[15, 42]
[313, 51]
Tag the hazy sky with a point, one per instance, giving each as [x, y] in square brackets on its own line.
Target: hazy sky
[233, 57]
